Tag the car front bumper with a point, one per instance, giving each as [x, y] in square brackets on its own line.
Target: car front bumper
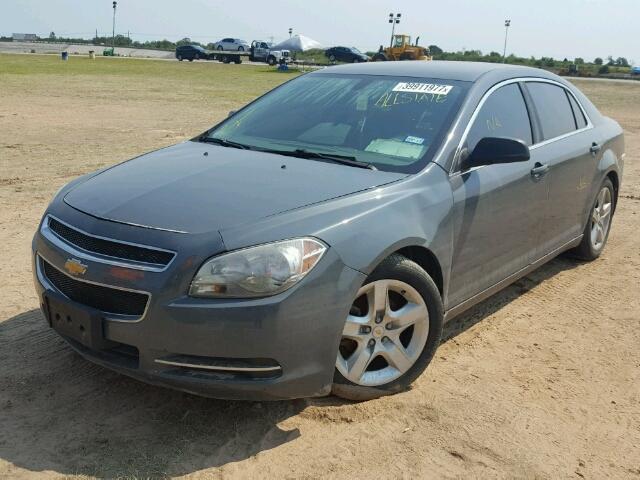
[271, 348]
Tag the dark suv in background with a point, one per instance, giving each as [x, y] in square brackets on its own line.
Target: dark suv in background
[191, 53]
[345, 54]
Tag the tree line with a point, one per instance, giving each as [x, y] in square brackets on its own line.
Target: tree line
[598, 64]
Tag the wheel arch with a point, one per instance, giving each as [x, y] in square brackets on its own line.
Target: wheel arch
[613, 176]
[415, 250]
[427, 260]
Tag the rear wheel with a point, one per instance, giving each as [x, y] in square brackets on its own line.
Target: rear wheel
[271, 60]
[596, 232]
[392, 331]
[332, 58]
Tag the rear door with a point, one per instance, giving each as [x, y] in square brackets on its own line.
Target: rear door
[497, 208]
[565, 150]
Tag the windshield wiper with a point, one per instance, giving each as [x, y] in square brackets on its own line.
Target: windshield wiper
[224, 143]
[332, 157]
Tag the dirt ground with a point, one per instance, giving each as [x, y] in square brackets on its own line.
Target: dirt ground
[539, 381]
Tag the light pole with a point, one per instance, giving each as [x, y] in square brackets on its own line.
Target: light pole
[113, 34]
[393, 20]
[507, 24]
[290, 31]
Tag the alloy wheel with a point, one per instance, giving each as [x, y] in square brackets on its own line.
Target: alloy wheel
[385, 333]
[601, 218]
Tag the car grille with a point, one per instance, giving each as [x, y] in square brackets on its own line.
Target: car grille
[106, 299]
[109, 248]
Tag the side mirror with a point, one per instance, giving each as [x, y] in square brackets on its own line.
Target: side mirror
[494, 150]
[231, 113]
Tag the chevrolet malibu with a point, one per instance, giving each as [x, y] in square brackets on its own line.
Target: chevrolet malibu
[317, 240]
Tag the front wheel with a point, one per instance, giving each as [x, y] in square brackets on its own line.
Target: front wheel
[391, 333]
[596, 232]
[271, 61]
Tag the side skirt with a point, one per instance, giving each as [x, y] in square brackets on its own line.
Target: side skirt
[467, 304]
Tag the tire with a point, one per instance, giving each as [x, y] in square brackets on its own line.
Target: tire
[395, 272]
[238, 61]
[593, 243]
[355, 60]
[406, 56]
[271, 60]
[196, 57]
[379, 57]
[332, 58]
[220, 47]
[179, 58]
[241, 48]
[225, 59]
[191, 59]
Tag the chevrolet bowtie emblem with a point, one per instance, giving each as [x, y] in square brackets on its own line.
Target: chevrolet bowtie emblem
[75, 267]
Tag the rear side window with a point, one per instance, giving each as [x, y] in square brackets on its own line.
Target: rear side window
[577, 112]
[504, 114]
[554, 109]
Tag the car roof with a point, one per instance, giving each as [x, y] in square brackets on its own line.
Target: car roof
[449, 70]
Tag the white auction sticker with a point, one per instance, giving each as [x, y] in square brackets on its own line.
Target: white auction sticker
[422, 88]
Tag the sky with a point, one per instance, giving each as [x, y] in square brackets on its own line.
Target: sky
[556, 28]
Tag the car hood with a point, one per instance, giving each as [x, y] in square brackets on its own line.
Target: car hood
[195, 187]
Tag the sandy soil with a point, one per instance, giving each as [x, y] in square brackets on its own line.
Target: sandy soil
[540, 381]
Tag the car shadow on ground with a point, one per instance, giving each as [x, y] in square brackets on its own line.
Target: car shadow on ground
[494, 303]
[63, 414]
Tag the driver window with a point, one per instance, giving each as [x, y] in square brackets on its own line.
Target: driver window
[504, 114]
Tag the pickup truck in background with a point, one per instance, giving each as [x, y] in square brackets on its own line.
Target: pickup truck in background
[261, 51]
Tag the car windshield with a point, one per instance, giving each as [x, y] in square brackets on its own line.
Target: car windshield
[355, 50]
[390, 123]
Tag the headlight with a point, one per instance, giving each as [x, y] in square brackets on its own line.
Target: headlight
[257, 271]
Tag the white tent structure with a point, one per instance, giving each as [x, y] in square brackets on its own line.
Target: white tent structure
[298, 43]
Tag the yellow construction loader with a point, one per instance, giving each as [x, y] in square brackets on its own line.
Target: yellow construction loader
[402, 49]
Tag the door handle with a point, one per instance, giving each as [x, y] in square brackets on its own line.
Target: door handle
[595, 148]
[539, 170]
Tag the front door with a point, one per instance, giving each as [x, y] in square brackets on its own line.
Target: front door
[498, 209]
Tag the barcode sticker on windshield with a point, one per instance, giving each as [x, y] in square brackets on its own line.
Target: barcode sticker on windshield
[422, 88]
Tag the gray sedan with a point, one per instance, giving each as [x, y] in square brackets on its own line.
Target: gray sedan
[317, 240]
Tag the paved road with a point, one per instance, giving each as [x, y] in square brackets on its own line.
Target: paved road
[26, 47]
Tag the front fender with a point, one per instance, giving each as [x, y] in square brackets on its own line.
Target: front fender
[364, 228]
